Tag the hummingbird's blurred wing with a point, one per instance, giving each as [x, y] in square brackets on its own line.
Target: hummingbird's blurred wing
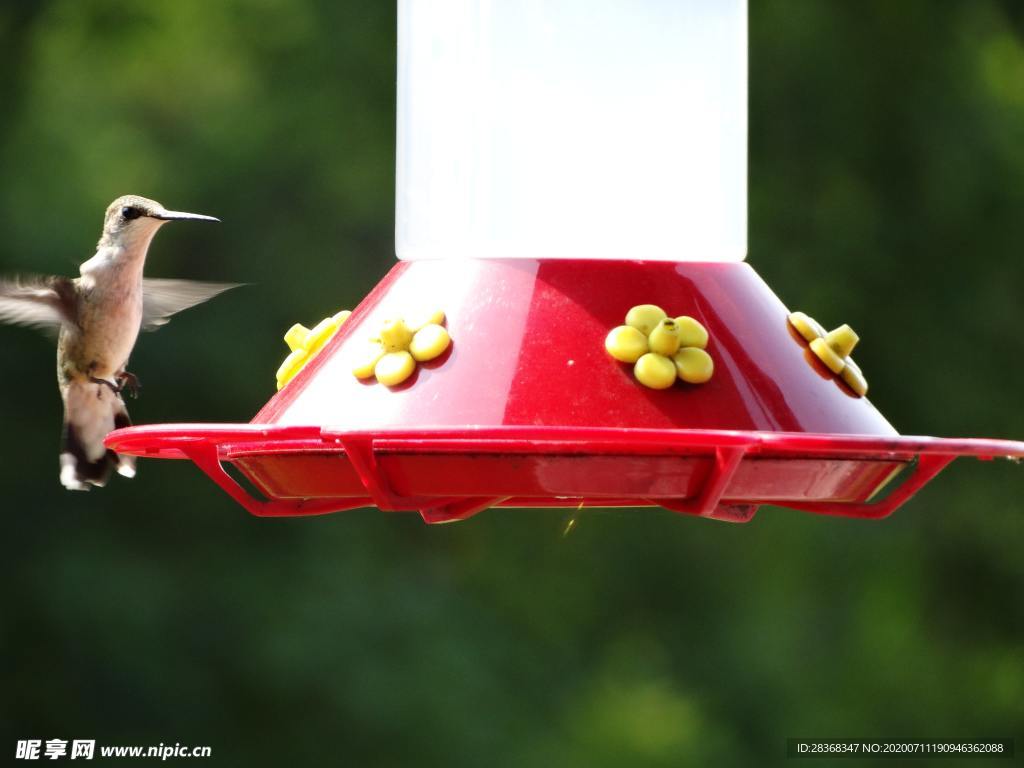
[163, 298]
[38, 302]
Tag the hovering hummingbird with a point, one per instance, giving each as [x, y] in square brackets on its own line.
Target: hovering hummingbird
[97, 317]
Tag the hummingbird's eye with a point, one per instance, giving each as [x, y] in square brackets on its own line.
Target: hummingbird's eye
[130, 212]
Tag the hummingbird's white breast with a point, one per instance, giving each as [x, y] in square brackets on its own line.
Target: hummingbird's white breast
[109, 310]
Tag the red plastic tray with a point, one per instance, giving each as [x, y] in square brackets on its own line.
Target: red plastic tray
[448, 475]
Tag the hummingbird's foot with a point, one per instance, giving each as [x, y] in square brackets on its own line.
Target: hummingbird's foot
[113, 387]
[130, 382]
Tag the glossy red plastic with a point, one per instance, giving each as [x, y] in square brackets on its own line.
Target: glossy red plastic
[527, 408]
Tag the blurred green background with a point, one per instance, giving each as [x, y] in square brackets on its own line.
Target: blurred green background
[886, 190]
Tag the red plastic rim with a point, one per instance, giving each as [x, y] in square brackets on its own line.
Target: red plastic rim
[448, 474]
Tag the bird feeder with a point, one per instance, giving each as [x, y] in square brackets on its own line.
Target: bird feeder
[558, 164]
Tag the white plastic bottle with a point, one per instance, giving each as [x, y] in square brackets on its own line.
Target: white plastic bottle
[572, 129]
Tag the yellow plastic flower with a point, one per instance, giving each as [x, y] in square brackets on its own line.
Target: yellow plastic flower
[305, 343]
[662, 349]
[833, 348]
[392, 356]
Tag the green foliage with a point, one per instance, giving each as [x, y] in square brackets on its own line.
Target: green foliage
[886, 184]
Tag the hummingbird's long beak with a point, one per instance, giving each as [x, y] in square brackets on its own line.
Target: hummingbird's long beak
[182, 216]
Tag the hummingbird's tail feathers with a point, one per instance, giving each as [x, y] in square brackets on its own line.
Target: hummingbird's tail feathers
[77, 471]
[91, 412]
[38, 302]
[69, 476]
[125, 463]
[163, 298]
[126, 466]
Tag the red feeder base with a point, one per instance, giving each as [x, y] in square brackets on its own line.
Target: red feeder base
[528, 410]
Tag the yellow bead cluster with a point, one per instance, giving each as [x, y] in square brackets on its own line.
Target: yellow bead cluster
[833, 348]
[305, 343]
[391, 357]
[661, 348]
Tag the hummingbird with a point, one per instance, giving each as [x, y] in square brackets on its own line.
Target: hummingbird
[97, 317]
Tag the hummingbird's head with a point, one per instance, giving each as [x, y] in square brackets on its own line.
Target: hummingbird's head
[133, 220]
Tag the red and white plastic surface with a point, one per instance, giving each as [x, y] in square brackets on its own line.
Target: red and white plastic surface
[526, 409]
